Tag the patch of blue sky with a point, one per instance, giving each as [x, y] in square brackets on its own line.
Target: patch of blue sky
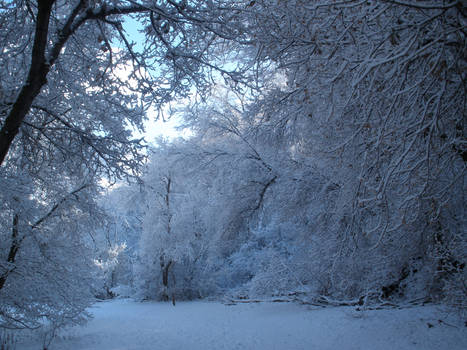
[133, 28]
[155, 127]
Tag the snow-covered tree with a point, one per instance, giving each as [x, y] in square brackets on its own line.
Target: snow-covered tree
[170, 232]
[46, 253]
[73, 86]
[375, 99]
[349, 163]
[117, 239]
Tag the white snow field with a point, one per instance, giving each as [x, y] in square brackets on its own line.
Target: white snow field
[130, 325]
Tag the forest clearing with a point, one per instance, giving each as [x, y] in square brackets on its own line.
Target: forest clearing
[128, 325]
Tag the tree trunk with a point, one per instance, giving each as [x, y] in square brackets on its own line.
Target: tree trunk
[165, 278]
[36, 79]
[15, 243]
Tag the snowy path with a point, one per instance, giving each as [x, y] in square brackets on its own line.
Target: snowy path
[129, 325]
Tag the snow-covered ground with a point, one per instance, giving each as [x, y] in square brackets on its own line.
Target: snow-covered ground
[130, 325]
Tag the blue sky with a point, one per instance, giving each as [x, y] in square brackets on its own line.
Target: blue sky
[154, 128]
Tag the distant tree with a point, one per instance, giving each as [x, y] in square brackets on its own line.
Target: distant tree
[169, 230]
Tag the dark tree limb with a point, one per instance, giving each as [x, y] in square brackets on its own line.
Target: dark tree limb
[40, 65]
[35, 80]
